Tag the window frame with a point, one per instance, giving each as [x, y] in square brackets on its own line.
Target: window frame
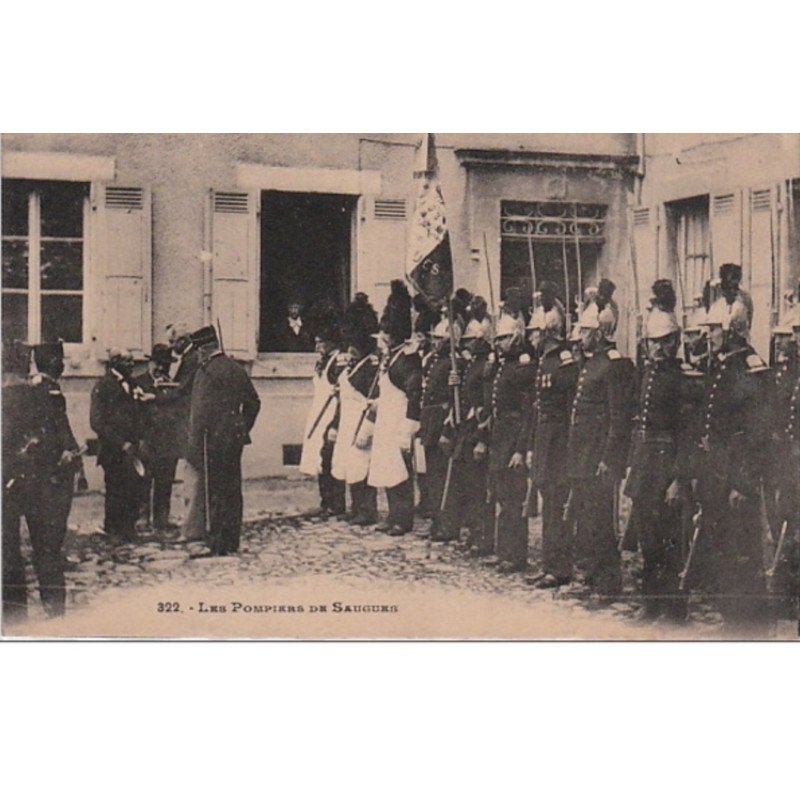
[34, 239]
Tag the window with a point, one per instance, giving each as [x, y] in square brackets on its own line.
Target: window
[558, 242]
[306, 246]
[690, 249]
[43, 254]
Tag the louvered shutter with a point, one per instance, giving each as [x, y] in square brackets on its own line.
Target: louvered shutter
[760, 266]
[645, 251]
[122, 257]
[234, 288]
[725, 224]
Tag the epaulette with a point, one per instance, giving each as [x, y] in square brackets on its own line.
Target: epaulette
[411, 347]
[614, 355]
[566, 358]
[524, 359]
[755, 363]
[36, 379]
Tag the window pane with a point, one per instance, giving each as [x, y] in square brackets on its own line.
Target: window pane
[15, 317]
[62, 265]
[62, 318]
[62, 208]
[15, 208]
[15, 265]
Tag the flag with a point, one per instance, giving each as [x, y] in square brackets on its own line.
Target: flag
[430, 264]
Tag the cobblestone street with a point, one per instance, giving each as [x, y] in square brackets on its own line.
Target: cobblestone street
[309, 560]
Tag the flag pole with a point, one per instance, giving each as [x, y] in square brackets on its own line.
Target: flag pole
[489, 274]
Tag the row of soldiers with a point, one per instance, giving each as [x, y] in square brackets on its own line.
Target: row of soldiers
[489, 416]
[193, 403]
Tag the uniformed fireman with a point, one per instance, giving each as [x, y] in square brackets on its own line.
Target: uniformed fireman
[467, 500]
[597, 448]
[358, 385]
[730, 464]
[397, 412]
[510, 402]
[320, 430]
[436, 406]
[22, 436]
[556, 381]
[783, 486]
[654, 483]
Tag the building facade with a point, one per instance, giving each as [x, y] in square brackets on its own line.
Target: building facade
[108, 238]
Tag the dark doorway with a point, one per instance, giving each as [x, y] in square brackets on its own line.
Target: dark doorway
[306, 242]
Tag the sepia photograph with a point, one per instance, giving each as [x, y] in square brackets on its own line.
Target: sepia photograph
[490, 386]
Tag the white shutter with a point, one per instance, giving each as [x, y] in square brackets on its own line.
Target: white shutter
[725, 224]
[122, 260]
[234, 248]
[761, 265]
[645, 244]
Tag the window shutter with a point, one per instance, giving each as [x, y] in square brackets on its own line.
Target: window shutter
[122, 266]
[725, 225]
[760, 264]
[645, 244]
[234, 247]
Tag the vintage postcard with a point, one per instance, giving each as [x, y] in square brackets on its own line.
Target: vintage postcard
[401, 386]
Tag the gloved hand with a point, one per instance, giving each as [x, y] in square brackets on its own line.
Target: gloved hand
[479, 451]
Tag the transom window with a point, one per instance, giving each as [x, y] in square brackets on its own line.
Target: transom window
[43, 256]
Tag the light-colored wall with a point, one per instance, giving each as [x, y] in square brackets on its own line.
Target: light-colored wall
[181, 168]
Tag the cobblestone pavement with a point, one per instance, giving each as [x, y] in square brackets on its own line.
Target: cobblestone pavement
[293, 551]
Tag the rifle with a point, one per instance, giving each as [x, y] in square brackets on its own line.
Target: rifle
[770, 574]
[684, 573]
[365, 410]
[322, 413]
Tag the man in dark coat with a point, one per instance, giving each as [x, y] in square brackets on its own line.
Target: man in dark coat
[556, 381]
[58, 463]
[511, 403]
[785, 467]
[116, 416]
[597, 448]
[224, 409]
[730, 466]
[434, 410]
[23, 433]
[162, 444]
[291, 333]
[654, 482]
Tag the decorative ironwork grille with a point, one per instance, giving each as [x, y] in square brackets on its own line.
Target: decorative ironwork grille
[554, 222]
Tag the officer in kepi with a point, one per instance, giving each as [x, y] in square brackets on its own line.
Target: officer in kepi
[556, 381]
[22, 436]
[224, 409]
[653, 483]
[730, 466]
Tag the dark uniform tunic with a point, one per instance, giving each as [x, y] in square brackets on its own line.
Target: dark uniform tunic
[511, 406]
[785, 462]
[224, 409]
[164, 443]
[116, 417]
[599, 432]
[23, 433]
[435, 407]
[653, 467]
[556, 382]
[468, 483]
[730, 452]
